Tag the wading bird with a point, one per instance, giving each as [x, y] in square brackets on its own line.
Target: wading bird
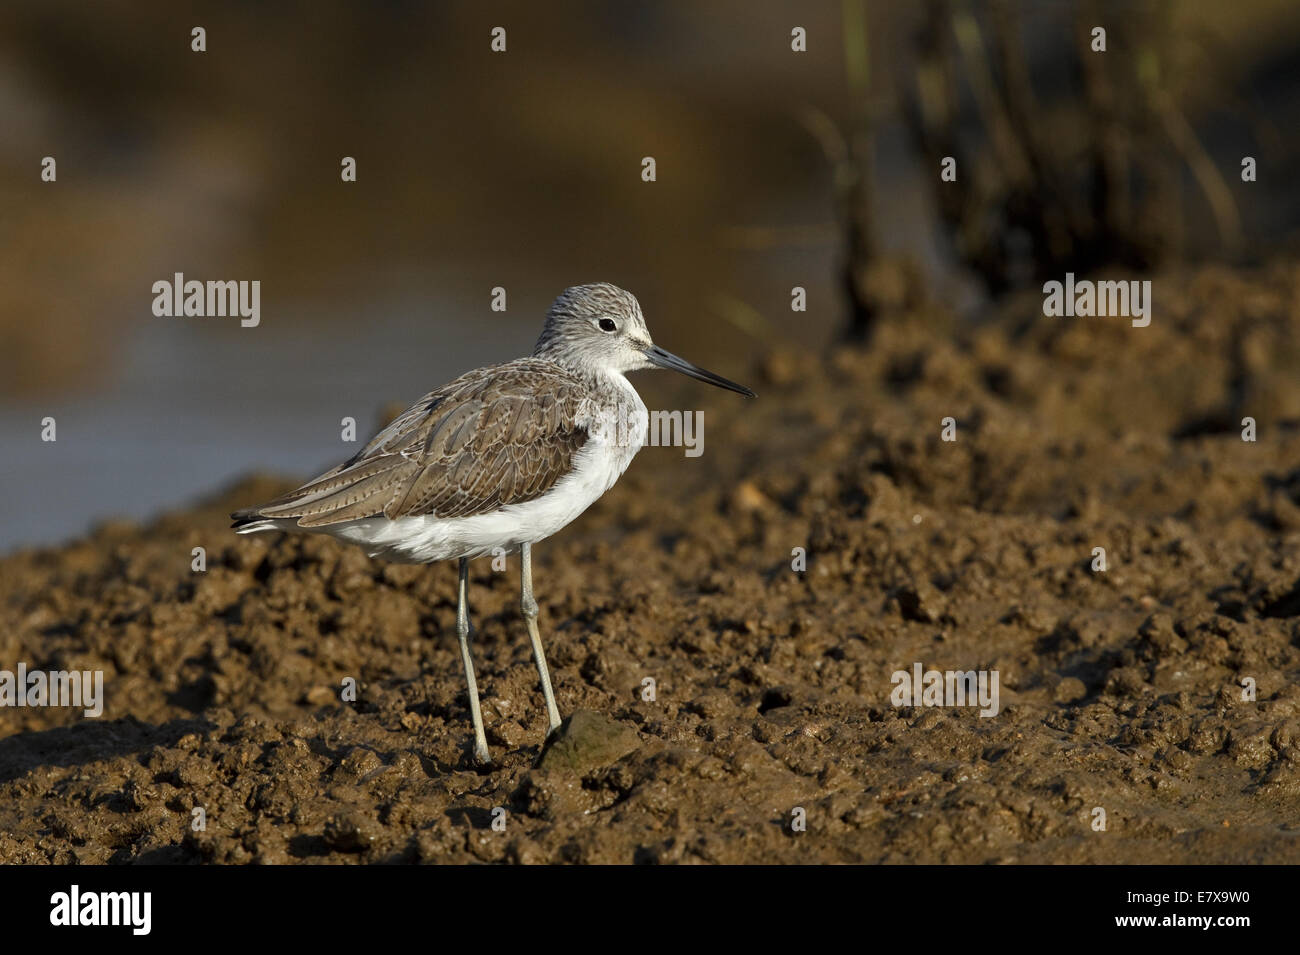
[502, 457]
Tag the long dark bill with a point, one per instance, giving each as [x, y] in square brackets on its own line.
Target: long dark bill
[666, 359]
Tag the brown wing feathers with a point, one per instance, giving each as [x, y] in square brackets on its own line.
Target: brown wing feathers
[491, 438]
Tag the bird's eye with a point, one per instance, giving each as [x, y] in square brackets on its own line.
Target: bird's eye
[607, 325]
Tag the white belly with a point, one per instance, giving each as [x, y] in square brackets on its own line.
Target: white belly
[424, 539]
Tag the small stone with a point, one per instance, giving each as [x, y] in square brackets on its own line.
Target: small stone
[320, 696]
[350, 833]
[1069, 690]
[747, 497]
[359, 763]
[506, 732]
[587, 741]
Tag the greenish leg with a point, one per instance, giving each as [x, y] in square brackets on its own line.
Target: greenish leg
[529, 607]
[462, 634]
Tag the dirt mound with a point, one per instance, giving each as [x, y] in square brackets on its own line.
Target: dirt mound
[1124, 690]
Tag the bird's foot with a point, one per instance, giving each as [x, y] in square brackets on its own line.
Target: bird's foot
[481, 755]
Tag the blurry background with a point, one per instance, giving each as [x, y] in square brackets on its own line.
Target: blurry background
[523, 170]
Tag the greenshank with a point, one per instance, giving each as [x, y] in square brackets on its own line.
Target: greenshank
[497, 460]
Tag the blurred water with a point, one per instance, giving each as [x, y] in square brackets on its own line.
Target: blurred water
[188, 409]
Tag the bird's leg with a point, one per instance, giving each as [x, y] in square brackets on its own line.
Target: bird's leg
[529, 607]
[462, 634]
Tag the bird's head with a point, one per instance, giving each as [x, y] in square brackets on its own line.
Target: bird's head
[600, 328]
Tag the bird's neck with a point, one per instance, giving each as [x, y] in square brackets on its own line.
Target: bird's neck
[601, 380]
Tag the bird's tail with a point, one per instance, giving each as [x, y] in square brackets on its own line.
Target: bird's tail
[251, 521]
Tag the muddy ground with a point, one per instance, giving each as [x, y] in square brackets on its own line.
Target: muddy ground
[1121, 690]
